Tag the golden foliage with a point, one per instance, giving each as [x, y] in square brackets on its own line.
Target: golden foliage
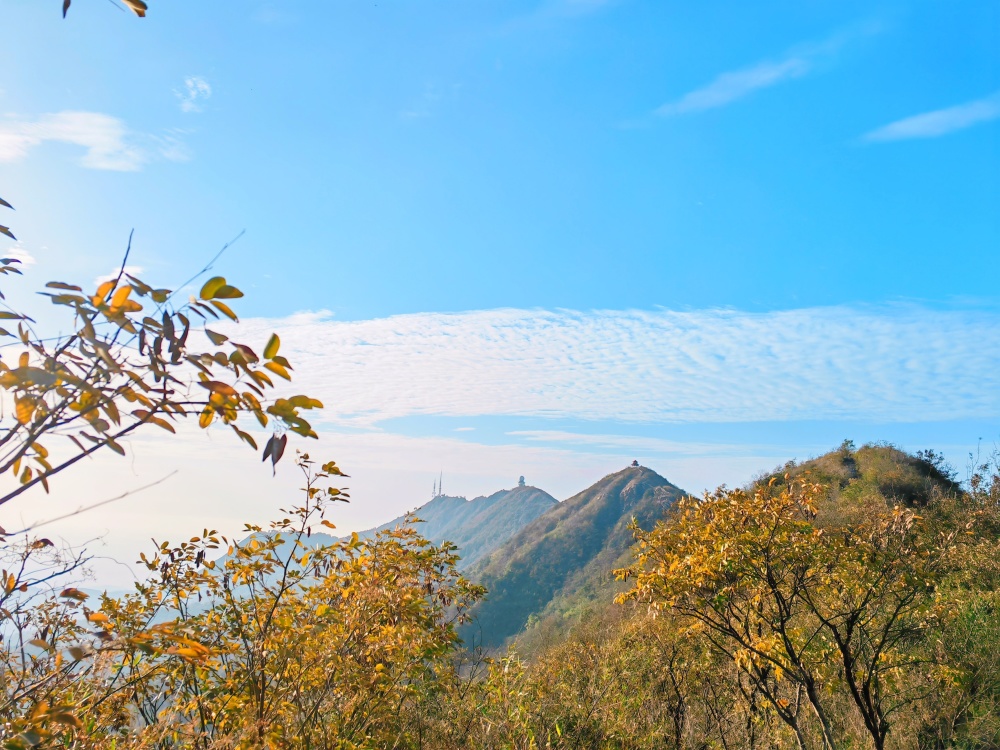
[276, 643]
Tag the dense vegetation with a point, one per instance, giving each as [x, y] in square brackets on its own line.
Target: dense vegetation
[848, 602]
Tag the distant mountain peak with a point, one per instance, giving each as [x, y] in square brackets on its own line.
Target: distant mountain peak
[477, 526]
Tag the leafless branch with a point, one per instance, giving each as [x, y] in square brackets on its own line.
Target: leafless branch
[85, 508]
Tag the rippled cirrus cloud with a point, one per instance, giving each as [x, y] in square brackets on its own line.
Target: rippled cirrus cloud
[885, 364]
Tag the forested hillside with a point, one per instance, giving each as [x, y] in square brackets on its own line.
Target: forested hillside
[849, 601]
[852, 601]
[564, 558]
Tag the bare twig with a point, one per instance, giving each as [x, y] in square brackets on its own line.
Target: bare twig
[208, 266]
[128, 251]
[85, 508]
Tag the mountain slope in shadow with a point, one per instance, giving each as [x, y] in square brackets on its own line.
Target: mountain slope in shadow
[565, 557]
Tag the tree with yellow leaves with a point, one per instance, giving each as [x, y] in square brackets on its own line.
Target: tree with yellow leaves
[277, 643]
[136, 359]
[811, 615]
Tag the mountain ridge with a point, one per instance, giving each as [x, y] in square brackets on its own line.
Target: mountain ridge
[477, 526]
[565, 556]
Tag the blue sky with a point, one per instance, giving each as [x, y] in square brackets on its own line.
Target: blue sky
[713, 235]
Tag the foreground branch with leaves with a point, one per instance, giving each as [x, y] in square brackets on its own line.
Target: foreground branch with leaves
[137, 357]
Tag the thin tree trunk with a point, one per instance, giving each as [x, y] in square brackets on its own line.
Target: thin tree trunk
[813, 696]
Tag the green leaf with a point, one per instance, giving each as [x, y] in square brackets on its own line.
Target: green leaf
[249, 355]
[272, 346]
[211, 286]
[225, 310]
[139, 286]
[245, 437]
[218, 387]
[305, 402]
[227, 292]
[65, 299]
[278, 370]
[216, 338]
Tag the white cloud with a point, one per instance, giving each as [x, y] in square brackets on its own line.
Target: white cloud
[940, 122]
[113, 274]
[631, 442]
[581, 7]
[733, 85]
[874, 365]
[549, 12]
[737, 84]
[269, 14]
[196, 90]
[414, 114]
[109, 143]
[890, 364]
[432, 97]
[106, 139]
[171, 145]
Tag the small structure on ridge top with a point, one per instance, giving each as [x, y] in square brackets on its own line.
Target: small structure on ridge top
[520, 481]
[635, 463]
